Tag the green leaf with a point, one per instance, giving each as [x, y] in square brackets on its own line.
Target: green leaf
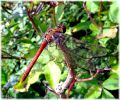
[93, 92]
[11, 93]
[113, 61]
[115, 69]
[12, 23]
[21, 86]
[93, 27]
[31, 53]
[52, 74]
[44, 57]
[106, 94]
[111, 83]
[93, 7]
[43, 27]
[103, 41]
[26, 40]
[107, 23]
[73, 7]
[80, 26]
[7, 37]
[59, 12]
[4, 77]
[32, 78]
[95, 30]
[114, 12]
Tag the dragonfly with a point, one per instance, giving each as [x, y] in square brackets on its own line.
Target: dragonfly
[55, 35]
[50, 36]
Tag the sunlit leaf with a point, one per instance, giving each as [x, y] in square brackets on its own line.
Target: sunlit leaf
[114, 12]
[95, 30]
[80, 26]
[93, 92]
[115, 69]
[93, 27]
[111, 83]
[33, 77]
[21, 86]
[106, 94]
[24, 86]
[25, 40]
[59, 12]
[52, 74]
[103, 41]
[93, 7]
[110, 33]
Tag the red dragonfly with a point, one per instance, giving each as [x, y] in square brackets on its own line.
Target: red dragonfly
[50, 36]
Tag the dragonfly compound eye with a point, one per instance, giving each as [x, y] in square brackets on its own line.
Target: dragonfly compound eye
[62, 28]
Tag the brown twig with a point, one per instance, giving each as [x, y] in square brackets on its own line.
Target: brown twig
[92, 77]
[88, 79]
[92, 20]
[6, 9]
[49, 88]
[33, 23]
[100, 24]
[54, 18]
[11, 56]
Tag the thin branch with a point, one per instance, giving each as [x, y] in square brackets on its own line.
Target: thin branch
[11, 56]
[95, 75]
[6, 10]
[99, 12]
[6, 53]
[54, 18]
[49, 88]
[88, 79]
[92, 20]
[33, 23]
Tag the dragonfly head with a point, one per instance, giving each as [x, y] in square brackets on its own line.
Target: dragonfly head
[55, 34]
[62, 28]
